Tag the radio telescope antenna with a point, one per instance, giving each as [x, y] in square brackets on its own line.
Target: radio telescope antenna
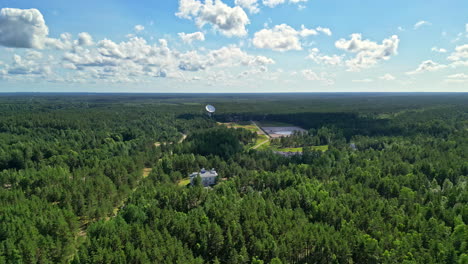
[210, 109]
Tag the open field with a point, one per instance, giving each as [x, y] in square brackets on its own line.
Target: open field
[264, 146]
[184, 182]
[262, 139]
[321, 148]
[289, 149]
[300, 149]
[247, 126]
[146, 172]
[263, 142]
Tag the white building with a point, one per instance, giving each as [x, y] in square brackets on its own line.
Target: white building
[208, 178]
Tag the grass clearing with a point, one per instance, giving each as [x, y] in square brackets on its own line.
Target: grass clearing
[300, 149]
[290, 149]
[260, 139]
[320, 148]
[262, 142]
[184, 182]
[265, 146]
[146, 172]
[244, 125]
[251, 128]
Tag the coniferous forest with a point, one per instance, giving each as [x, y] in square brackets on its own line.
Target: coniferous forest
[101, 178]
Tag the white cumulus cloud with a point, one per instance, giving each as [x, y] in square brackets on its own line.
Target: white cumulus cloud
[22, 28]
[458, 76]
[230, 56]
[229, 21]
[251, 5]
[322, 77]
[282, 37]
[387, 77]
[274, 3]
[427, 66]
[189, 38]
[85, 39]
[438, 50]
[325, 31]
[363, 81]
[136, 60]
[27, 67]
[139, 28]
[33, 55]
[65, 42]
[317, 57]
[305, 32]
[461, 53]
[368, 53]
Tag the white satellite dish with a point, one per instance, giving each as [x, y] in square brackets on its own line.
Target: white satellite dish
[211, 109]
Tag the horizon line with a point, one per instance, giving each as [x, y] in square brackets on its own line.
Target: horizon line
[225, 93]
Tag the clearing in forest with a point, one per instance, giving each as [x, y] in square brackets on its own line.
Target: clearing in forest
[158, 144]
[262, 138]
[249, 126]
[267, 130]
[301, 149]
[184, 182]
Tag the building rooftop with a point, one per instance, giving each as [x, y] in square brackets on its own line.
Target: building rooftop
[205, 173]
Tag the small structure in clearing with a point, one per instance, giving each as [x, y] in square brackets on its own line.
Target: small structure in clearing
[208, 178]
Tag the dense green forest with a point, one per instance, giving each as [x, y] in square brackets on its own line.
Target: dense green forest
[95, 178]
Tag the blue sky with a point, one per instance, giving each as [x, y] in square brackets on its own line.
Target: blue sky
[234, 46]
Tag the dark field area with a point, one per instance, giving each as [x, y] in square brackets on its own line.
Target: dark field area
[102, 178]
